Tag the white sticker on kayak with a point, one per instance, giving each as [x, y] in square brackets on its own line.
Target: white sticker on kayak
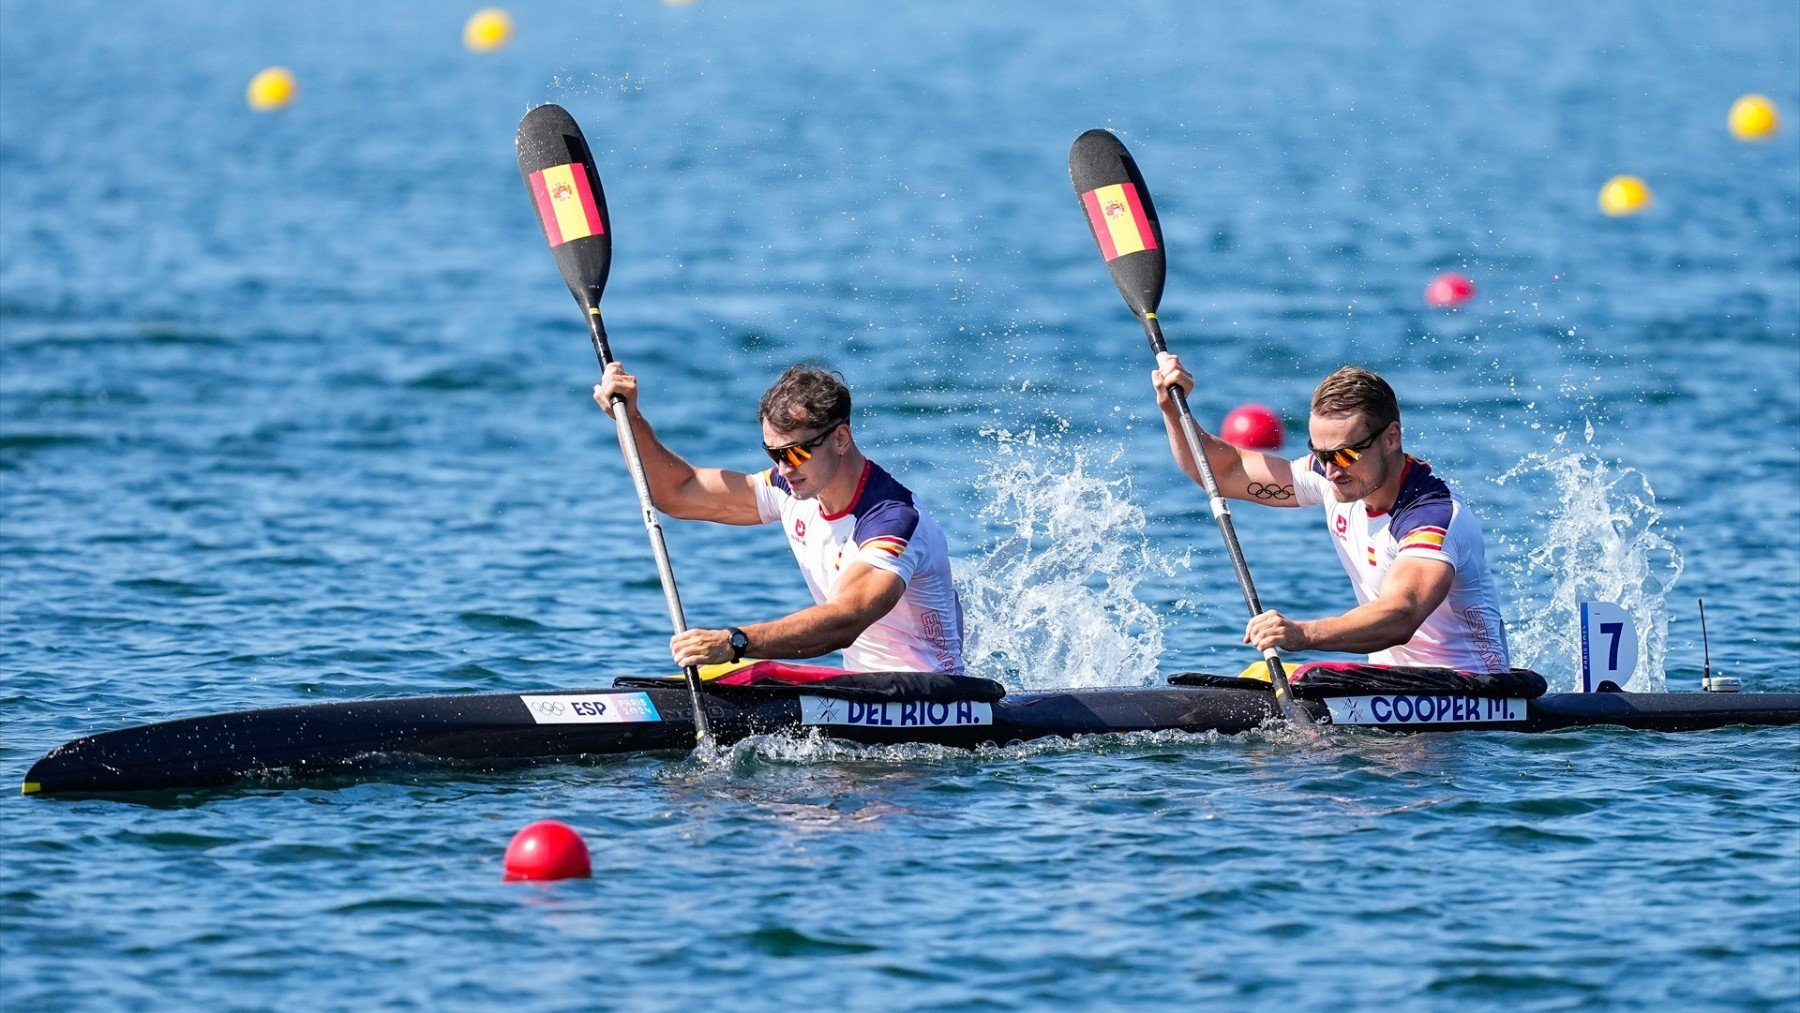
[1408, 709]
[591, 708]
[824, 710]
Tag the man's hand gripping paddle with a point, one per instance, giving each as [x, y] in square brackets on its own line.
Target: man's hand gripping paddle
[1123, 219]
[564, 187]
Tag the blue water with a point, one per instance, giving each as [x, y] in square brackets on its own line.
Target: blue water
[294, 407]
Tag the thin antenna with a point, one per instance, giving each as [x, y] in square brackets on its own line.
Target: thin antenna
[1704, 645]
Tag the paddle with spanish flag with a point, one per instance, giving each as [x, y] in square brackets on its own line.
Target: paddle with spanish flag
[565, 190]
[1119, 211]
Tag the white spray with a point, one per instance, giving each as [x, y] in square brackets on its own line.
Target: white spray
[1050, 603]
[1600, 543]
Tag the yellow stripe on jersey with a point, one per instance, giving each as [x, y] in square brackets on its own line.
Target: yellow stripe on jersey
[1424, 538]
[887, 543]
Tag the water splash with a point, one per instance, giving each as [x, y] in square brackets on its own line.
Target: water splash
[1600, 543]
[1051, 603]
[754, 755]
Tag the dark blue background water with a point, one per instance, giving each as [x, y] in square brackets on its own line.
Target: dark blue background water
[294, 407]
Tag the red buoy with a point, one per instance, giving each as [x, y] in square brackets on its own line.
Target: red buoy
[547, 850]
[1252, 427]
[1450, 289]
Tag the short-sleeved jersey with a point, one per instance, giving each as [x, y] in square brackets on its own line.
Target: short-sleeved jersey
[1429, 520]
[884, 528]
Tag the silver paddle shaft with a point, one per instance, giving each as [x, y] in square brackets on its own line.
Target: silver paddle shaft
[665, 571]
[1221, 512]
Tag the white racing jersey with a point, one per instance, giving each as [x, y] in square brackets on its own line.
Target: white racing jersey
[1429, 520]
[885, 529]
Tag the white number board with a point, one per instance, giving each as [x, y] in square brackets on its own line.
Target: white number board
[1609, 648]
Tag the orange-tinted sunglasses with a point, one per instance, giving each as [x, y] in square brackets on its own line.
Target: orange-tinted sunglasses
[796, 454]
[1346, 455]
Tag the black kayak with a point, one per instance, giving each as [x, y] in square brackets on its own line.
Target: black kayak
[484, 731]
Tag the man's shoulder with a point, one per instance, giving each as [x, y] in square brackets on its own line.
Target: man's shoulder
[774, 497]
[881, 487]
[1311, 488]
[885, 508]
[1425, 500]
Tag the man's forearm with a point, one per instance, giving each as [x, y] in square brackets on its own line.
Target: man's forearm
[1178, 446]
[807, 633]
[1365, 629]
[1222, 456]
[664, 469]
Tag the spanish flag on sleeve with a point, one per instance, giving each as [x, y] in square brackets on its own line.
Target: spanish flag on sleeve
[1117, 215]
[886, 543]
[566, 203]
[1430, 539]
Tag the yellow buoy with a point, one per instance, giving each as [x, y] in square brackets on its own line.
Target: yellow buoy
[487, 30]
[1753, 118]
[271, 89]
[1624, 195]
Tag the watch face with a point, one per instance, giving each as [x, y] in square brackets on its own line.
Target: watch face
[739, 641]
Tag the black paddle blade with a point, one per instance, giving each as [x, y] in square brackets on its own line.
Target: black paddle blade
[564, 187]
[1119, 211]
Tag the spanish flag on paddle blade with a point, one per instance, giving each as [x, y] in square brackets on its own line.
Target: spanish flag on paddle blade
[1120, 224]
[565, 203]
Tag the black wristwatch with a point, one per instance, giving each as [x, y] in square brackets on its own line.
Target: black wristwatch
[739, 644]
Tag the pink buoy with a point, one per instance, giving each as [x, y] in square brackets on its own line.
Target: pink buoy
[1252, 427]
[547, 850]
[1450, 289]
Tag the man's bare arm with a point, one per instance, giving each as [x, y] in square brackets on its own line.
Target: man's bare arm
[1409, 594]
[1241, 474]
[676, 487]
[864, 594]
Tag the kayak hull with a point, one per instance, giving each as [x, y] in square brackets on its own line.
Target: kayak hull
[499, 729]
